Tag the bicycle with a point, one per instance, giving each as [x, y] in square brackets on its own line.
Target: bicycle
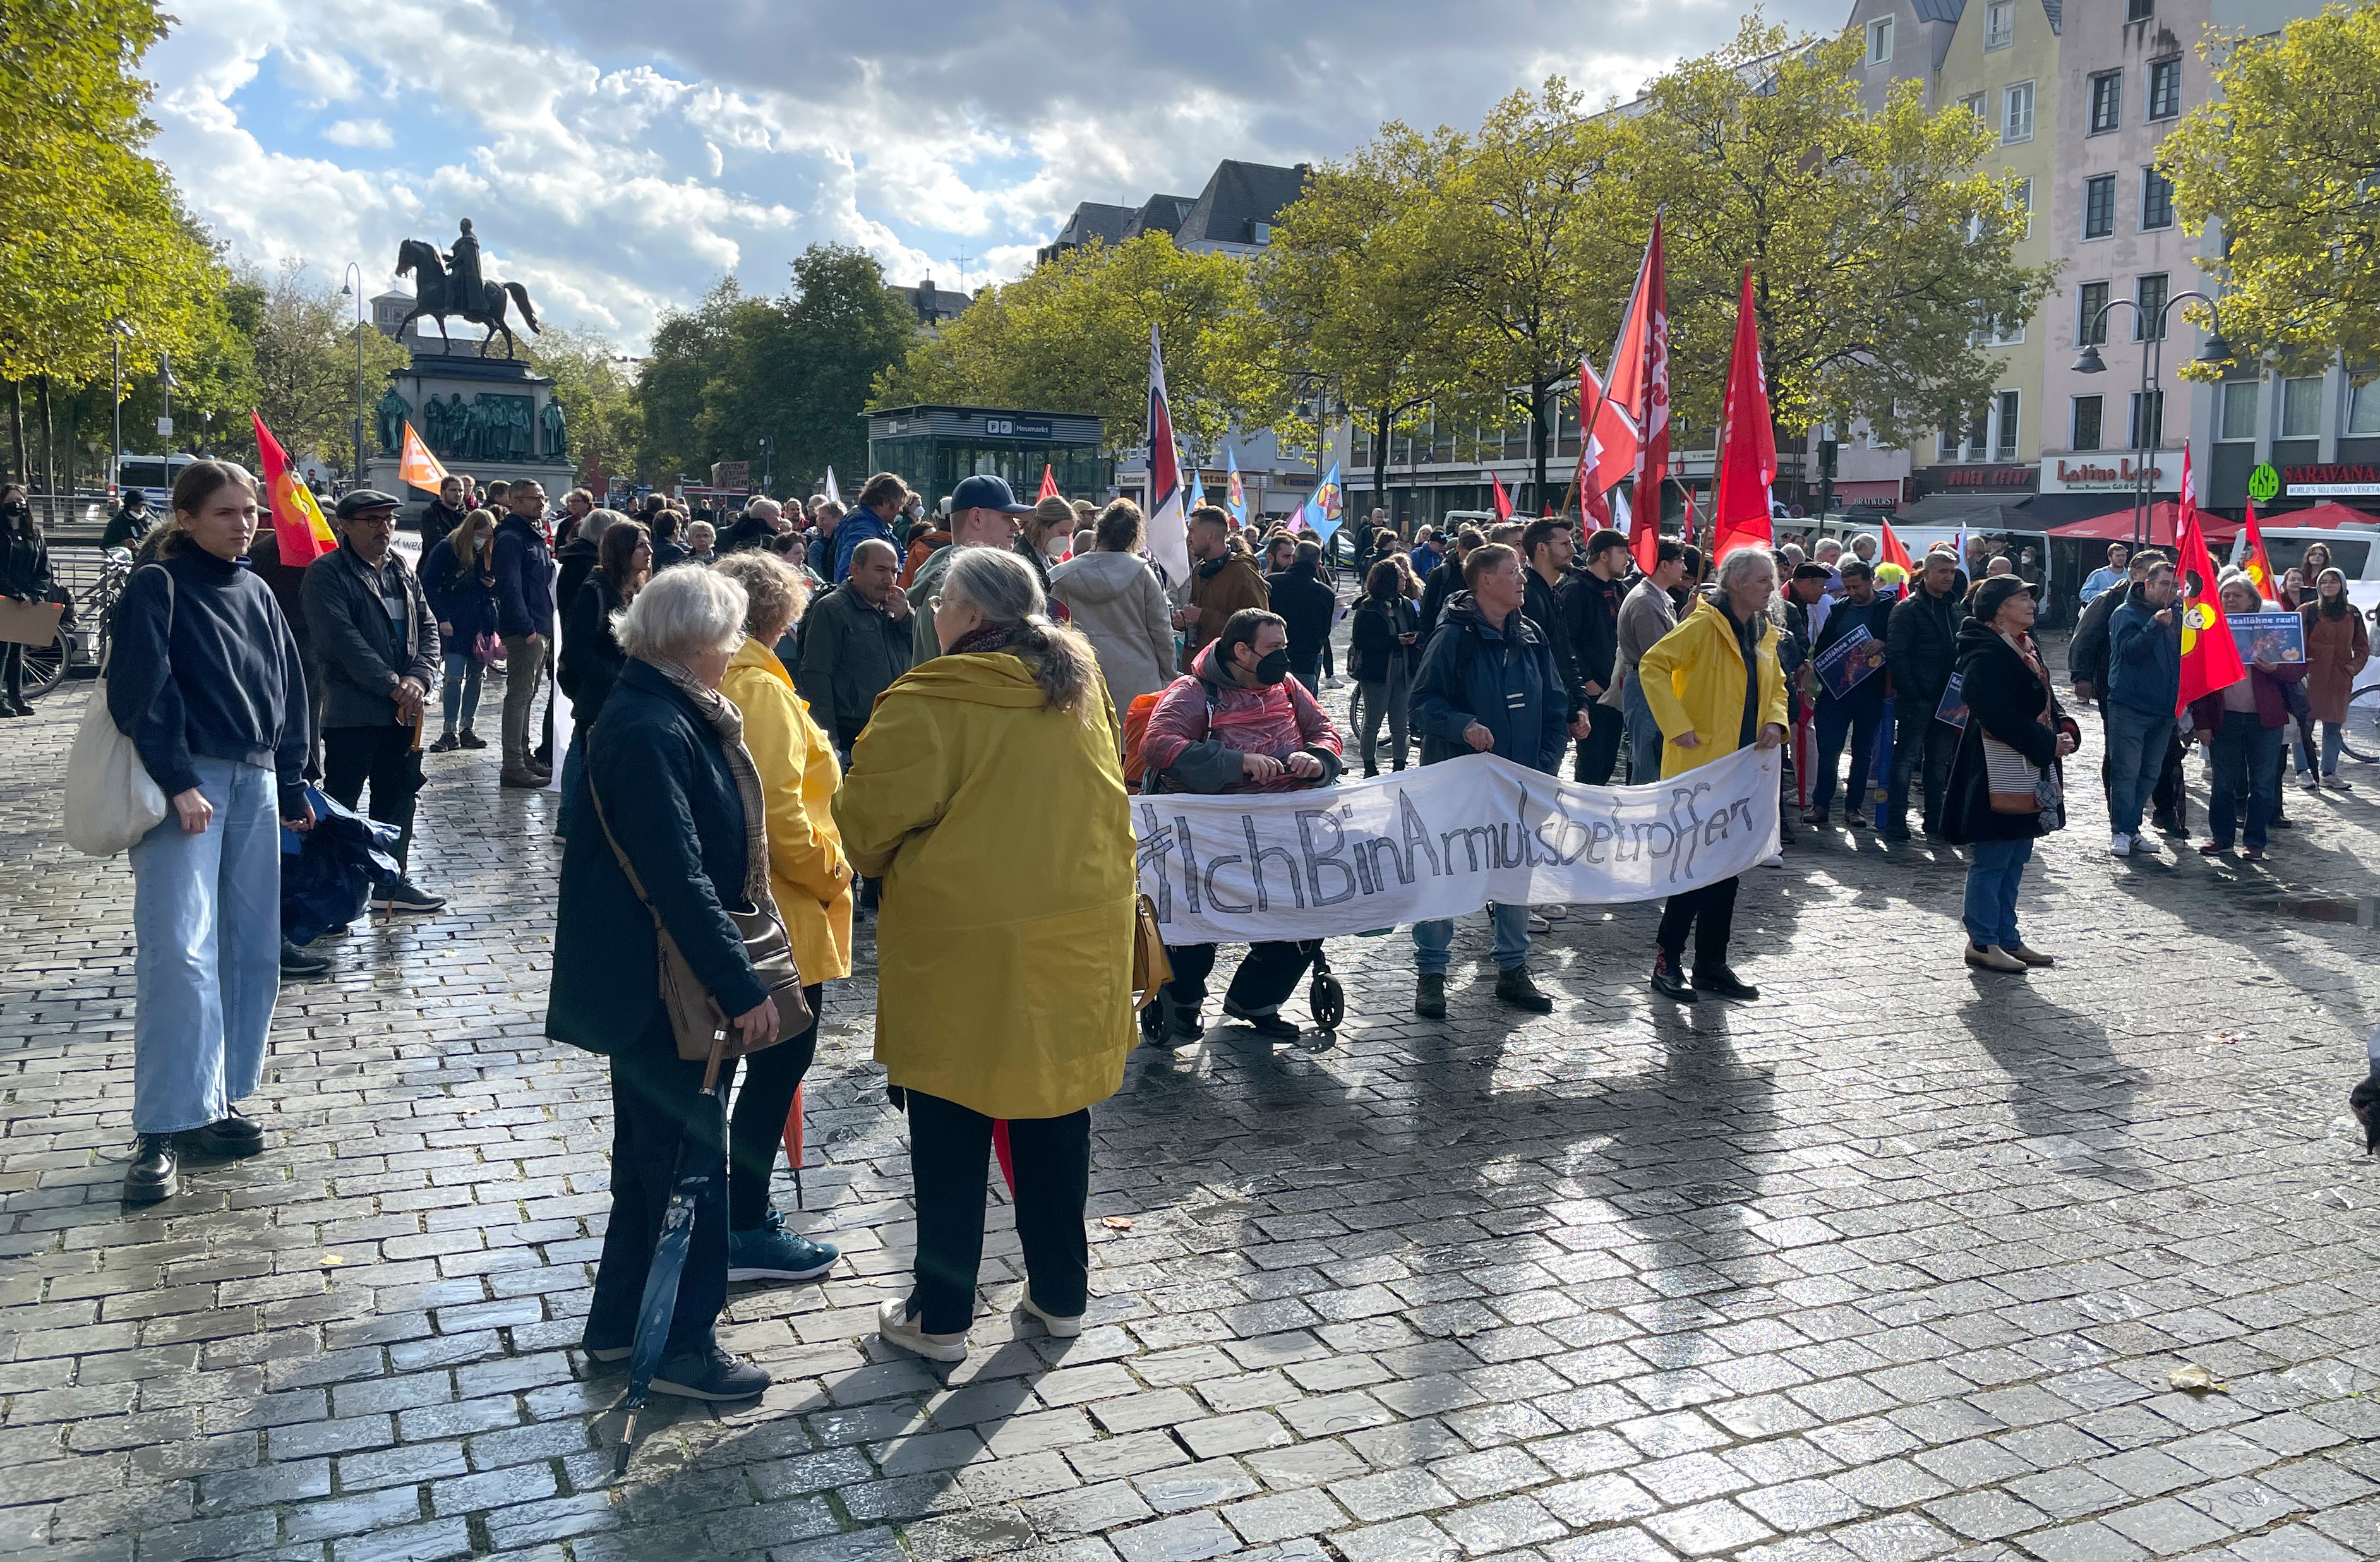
[83, 628]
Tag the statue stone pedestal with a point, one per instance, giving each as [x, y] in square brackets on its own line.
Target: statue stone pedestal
[487, 417]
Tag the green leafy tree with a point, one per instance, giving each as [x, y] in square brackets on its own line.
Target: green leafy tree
[691, 350]
[600, 398]
[1072, 336]
[305, 344]
[2284, 158]
[1881, 255]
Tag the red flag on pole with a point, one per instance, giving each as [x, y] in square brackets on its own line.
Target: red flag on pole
[1653, 405]
[1888, 546]
[1503, 499]
[2210, 660]
[1049, 482]
[297, 524]
[1740, 510]
[2259, 563]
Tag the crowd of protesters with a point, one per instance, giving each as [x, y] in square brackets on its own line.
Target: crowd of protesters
[802, 715]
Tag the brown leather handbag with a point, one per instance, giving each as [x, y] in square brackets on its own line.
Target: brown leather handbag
[1151, 969]
[705, 1032]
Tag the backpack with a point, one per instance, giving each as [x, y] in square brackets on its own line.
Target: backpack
[1135, 729]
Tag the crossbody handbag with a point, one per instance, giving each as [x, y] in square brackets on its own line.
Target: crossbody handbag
[2014, 779]
[702, 1028]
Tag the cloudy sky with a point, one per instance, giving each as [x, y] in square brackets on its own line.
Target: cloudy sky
[618, 156]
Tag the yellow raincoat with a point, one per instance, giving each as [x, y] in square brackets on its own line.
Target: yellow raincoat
[1693, 682]
[1003, 833]
[808, 875]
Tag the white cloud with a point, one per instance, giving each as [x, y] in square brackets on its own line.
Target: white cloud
[359, 133]
[725, 138]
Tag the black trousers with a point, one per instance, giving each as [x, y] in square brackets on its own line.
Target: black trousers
[12, 672]
[384, 756]
[757, 1129]
[1598, 752]
[1923, 750]
[950, 1151]
[1710, 912]
[658, 1104]
[1261, 985]
[1856, 719]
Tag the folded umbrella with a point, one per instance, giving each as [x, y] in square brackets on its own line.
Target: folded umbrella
[659, 1301]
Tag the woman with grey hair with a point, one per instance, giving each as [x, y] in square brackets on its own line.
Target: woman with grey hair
[673, 795]
[988, 794]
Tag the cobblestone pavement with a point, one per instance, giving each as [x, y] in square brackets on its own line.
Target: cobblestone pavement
[1896, 1263]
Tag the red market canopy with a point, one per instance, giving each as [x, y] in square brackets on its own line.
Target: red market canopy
[2329, 515]
[2115, 525]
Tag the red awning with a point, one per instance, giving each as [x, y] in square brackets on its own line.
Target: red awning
[2117, 525]
[2329, 515]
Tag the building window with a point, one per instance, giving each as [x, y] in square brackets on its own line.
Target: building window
[2090, 314]
[2149, 293]
[1979, 433]
[2005, 416]
[1879, 40]
[2106, 101]
[2016, 124]
[2148, 434]
[2237, 422]
[2165, 88]
[1973, 102]
[2363, 410]
[1999, 25]
[2086, 423]
[2139, 10]
[2157, 201]
[2099, 206]
[2302, 408]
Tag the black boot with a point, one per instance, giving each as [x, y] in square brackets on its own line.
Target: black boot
[1513, 987]
[1671, 982]
[154, 1173]
[1430, 995]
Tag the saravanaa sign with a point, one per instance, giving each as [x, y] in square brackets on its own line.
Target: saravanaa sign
[2108, 474]
[1443, 841]
[2332, 480]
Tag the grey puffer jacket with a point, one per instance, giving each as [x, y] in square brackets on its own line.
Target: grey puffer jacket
[1116, 600]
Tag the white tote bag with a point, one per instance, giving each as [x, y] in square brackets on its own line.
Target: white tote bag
[111, 799]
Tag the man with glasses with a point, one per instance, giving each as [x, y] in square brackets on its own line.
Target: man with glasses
[983, 514]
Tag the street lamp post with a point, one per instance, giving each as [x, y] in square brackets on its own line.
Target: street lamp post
[356, 290]
[767, 464]
[2148, 420]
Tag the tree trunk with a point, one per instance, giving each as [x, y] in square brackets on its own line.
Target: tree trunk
[49, 447]
[1381, 422]
[23, 472]
[1538, 452]
[74, 431]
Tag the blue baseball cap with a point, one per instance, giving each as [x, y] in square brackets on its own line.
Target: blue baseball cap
[985, 491]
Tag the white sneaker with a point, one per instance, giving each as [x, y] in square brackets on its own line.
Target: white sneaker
[2119, 845]
[1538, 923]
[1552, 913]
[1774, 859]
[1059, 1328]
[894, 1322]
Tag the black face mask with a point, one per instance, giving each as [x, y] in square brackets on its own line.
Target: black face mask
[1271, 669]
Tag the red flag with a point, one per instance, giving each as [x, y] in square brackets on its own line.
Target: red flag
[1503, 499]
[2210, 660]
[1634, 433]
[1598, 418]
[298, 522]
[2257, 562]
[1645, 536]
[1747, 444]
[1889, 545]
[1049, 482]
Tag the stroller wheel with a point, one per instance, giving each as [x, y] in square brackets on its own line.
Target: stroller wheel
[1327, 1000]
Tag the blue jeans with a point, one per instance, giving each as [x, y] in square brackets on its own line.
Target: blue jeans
[1995, 870]
[1857, 720]
[206, 967]
[1432, 939]
[1644, 733]
[461, 694]
[2246, 763]
[2136, 743]
[2334, 739]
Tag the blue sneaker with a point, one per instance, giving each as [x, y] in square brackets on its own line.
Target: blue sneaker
[769, 1252]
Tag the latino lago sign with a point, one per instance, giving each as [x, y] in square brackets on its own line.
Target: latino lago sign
[2108, 474]
[2334, 481]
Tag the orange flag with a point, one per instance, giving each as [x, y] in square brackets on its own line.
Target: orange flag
[298, 520]
[2259, 563]
[2210, 659]
[417, 466]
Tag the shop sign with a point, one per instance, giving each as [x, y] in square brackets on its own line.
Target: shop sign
[1018, 428]
[2107, 474]
[1998, 477]
[2264, 483]
[2332, 480]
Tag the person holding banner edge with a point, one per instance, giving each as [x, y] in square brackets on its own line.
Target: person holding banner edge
[1855, 710]
[1713, 685]
[1488, 684]
[1237, 721]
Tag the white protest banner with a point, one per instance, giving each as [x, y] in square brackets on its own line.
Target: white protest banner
[1441, 842]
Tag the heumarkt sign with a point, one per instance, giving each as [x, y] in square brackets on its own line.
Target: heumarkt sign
[2264, 483]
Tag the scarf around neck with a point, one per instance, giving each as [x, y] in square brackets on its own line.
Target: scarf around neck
[728, 722]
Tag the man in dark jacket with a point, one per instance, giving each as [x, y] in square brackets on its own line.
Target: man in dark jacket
[1488, 684]
[1307, 604]
[1588, 604]
[376, 651]
[856, 640]
[525, 619]
[2143, 694]
[130, 522]
[444, 514]
[1858, 710]
[1921, 648]
[2086, 663]
[1447, 578]
[880, 499]
[573, 563]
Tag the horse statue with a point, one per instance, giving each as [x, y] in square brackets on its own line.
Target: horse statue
[438, 294]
